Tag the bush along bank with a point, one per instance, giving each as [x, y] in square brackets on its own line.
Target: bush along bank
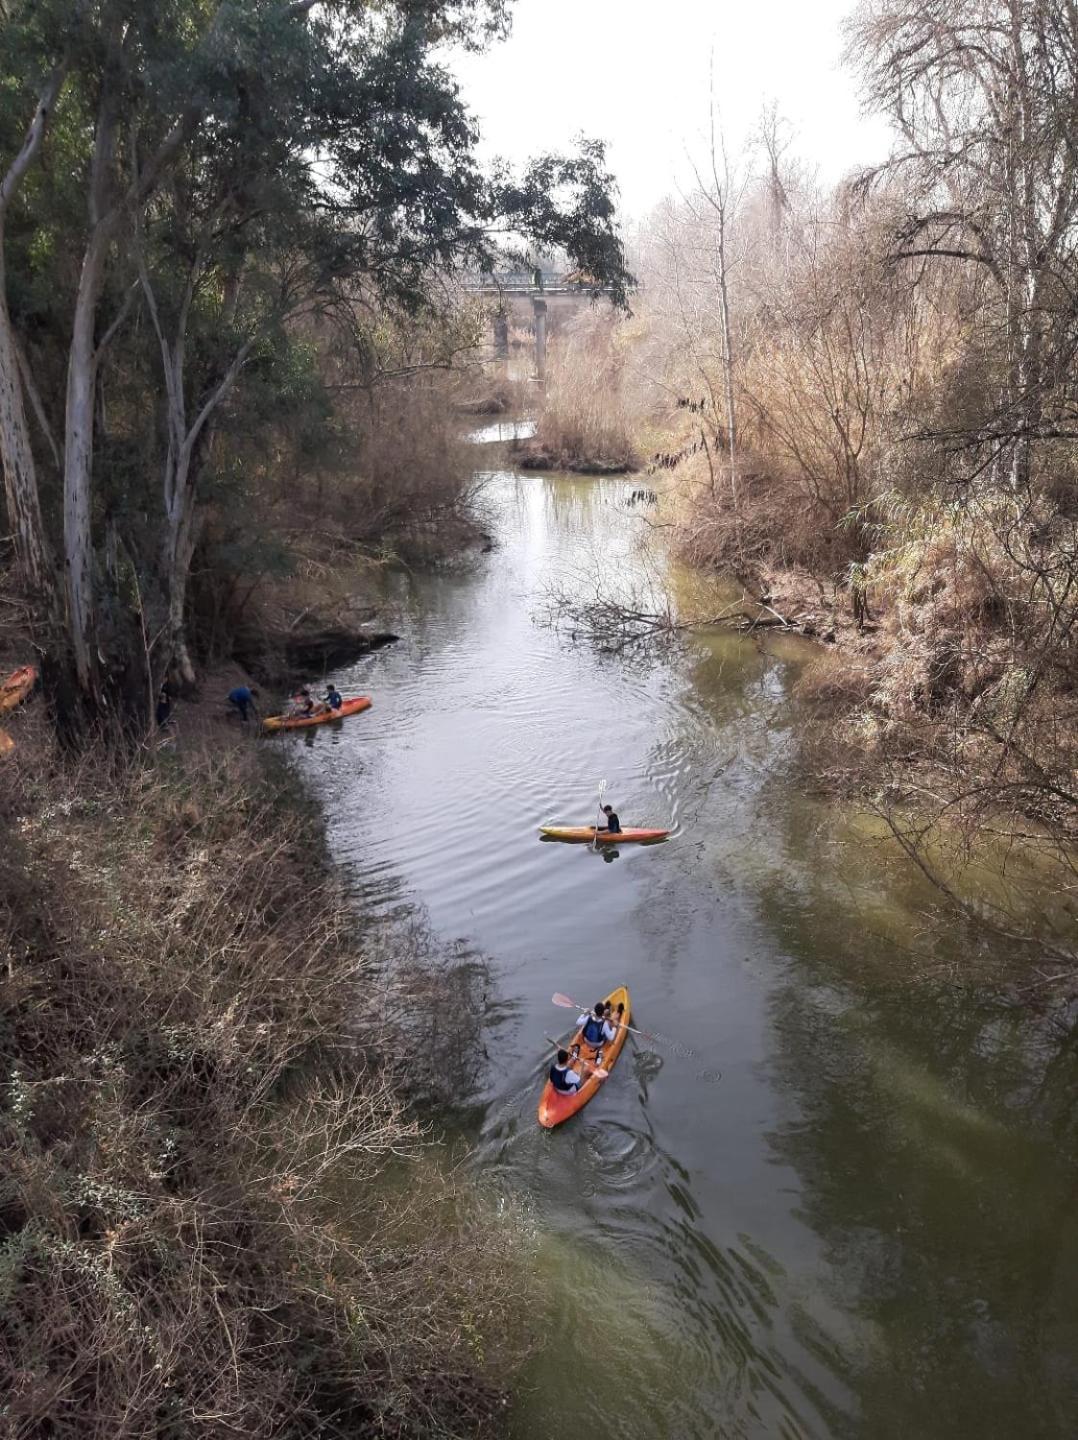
[203, 1229]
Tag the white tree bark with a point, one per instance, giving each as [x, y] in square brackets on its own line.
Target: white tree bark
[188, 442]
[79, 410]
[20, 471]
[717, 193]
[16, 452]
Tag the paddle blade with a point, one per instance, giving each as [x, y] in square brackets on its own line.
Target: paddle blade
[563, 1001]
[599, 1072]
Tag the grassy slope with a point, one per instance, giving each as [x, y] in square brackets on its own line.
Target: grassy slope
[197, 1234]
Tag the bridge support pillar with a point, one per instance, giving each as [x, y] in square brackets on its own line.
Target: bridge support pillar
[501, 337]
[539, 306]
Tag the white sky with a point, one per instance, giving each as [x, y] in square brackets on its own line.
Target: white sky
[636, 76]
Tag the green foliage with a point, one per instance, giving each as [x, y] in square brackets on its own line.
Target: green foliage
[265, 171]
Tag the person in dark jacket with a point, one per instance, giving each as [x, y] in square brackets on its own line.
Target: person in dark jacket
[563, 1077]
[163, 710]
[613, 824]
[242, 698]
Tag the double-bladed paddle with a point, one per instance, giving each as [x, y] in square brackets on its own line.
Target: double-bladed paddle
[567, 1004]
[599, 821]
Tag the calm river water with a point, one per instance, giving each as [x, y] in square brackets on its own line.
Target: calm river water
[842, 1198]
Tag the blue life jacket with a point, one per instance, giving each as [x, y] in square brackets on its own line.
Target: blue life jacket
[558, 1080]
[593, 1030]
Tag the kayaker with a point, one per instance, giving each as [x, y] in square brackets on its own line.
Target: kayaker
[302, 702]
[597, 1029]
[333, 697]
[613, 824]
[242, 698]
[563, 1077]
[614, 1017]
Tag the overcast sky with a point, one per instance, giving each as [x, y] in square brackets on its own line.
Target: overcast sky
[636, 76]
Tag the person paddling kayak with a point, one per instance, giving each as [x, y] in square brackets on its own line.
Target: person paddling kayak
[613, 1017]
[563, 1077]
[596, 1030]
[333, 697]
[301, 705]
[613, 824]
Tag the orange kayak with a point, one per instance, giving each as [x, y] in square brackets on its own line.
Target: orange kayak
[17, 686]
[556, 1106]
[355, 706]
[579, 833]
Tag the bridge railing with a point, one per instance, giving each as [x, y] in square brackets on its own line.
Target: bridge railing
[523, 282]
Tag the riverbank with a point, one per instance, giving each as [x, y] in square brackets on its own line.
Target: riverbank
[205, 1123]
[926, 703]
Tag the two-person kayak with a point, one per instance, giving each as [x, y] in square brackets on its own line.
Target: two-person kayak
[355, 706]
[580, 834]
[556, 1105]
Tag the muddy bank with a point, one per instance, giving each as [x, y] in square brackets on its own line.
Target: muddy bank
[283, 656]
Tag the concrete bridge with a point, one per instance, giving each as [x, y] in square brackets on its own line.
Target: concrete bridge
[533, 293]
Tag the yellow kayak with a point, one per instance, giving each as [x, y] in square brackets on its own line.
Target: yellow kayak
[580, 833]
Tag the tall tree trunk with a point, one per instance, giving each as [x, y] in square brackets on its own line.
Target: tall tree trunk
[16, 453]
[20, 471]
[79, 410]
[180, 541]
[728, 366]
[79, 460]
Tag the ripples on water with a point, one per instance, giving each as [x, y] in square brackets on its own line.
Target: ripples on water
[820, 1207]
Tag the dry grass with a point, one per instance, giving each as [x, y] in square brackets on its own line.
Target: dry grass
[200, 1232]
[586, 420]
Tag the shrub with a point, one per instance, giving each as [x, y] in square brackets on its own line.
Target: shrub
[585, 418]
[201, 1228]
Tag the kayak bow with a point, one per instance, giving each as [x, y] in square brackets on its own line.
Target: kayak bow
[17, 686]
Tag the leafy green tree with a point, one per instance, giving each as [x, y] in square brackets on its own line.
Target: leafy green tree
[206, 173]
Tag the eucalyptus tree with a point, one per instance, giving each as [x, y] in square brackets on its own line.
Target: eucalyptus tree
[203, 171]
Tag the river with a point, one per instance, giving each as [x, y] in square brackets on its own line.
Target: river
[840, 1197]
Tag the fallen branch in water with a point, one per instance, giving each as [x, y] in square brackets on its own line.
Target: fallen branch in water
[614, 625]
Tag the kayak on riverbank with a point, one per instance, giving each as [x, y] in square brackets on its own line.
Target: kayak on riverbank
[18, 685]
[578, 834]
[355, 706]
[556, 1105]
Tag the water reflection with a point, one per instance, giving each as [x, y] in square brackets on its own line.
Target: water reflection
[946, 1212]
[500, 431]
